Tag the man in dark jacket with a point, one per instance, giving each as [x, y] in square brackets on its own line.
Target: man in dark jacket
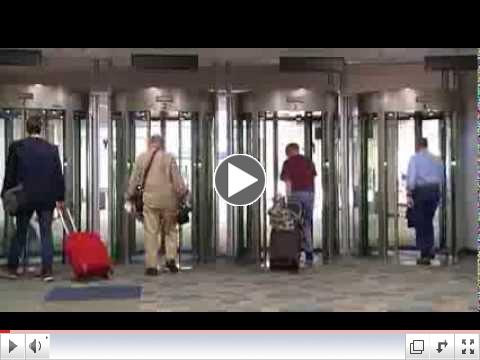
[35, 164]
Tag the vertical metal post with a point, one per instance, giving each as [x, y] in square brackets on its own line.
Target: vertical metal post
[263, 123]
[382, 188]
[393, 143]
[325, 189]
[364, 125]
[255, 207]
[332, 185]
[344, 141]
[451, 177]
[215, 99]
[276, 175]
[93, 223]
[111, 212]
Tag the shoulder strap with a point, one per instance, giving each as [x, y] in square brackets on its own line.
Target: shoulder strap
[169, 169]
[147, 169]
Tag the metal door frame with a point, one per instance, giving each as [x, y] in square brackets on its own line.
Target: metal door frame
[447, 241]
[9, 138]
[132, 116]
[307, 120]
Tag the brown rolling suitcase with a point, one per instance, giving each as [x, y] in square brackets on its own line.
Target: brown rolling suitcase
[285, 249]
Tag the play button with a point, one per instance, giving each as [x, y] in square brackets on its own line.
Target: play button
[11, 346]
[239, 180]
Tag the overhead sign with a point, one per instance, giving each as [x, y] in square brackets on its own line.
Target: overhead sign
[25, 96]
[164, 98]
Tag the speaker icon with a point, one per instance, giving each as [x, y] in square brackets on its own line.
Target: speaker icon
[35, 346]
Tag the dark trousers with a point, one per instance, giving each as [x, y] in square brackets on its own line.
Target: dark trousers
[18, 246]
[425, 200]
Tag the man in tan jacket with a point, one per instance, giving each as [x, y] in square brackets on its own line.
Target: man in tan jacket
[164, 188]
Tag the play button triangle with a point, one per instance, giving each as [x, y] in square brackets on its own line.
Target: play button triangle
[11, 346]
[238, 180]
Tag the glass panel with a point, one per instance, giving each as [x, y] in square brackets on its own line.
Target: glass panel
[372, 181]
[171, 138]
[55, 136]
[269, 169]
[431, 131]
[222, 153]
[113, 189]
[406, 149]
[140, 146]
[156, 129]
[18, 124]
[317, 160]
[289, 131]
[185, 164]
[83, 173]
[104, 169]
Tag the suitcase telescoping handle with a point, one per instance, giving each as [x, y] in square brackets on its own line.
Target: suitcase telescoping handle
[67, 221]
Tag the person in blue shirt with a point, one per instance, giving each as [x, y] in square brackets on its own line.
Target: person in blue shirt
[424, 184]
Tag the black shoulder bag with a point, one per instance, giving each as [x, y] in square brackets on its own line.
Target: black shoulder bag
[183, 216]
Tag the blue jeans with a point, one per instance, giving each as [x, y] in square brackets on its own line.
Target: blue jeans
[425, 202]
[307, 199]
[18, 245]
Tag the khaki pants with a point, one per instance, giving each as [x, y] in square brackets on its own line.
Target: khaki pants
[160, 227]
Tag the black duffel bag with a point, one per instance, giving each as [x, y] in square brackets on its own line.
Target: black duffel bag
[14, 200]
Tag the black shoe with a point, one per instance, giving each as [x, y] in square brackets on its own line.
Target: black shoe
[172, 266]
[151, 272]
[11, 273]
[47, 274]
[423, 261]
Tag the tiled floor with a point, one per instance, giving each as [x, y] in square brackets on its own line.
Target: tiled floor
[352, 285]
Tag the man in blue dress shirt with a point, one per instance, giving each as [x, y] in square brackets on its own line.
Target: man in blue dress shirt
[424, 183]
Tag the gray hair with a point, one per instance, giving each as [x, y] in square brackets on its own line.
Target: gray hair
[157, 140]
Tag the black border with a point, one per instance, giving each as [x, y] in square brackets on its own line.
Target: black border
[239, 321]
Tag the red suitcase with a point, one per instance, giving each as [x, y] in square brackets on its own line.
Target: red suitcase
[85, 251]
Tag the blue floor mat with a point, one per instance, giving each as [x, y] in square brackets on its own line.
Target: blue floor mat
[119, 292]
